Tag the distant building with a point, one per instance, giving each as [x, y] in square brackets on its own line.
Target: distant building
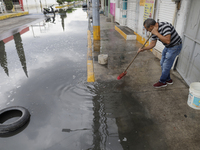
[25, 4]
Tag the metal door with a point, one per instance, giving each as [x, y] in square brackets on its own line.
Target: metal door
[117, 11]
[189, 59]
[132, 18]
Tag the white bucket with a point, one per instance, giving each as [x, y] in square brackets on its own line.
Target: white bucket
[103, 59]
[194, 95]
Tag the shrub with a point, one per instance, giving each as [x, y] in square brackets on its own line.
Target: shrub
[9, 4]
[60, 2]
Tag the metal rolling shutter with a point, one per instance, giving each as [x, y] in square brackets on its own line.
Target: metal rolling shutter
[166, 13]
[131, 14]
[117, 11]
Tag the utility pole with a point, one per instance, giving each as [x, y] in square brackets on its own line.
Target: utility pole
[96, 19]
[41, 5]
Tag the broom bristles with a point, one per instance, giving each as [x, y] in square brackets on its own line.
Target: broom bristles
[121, 75]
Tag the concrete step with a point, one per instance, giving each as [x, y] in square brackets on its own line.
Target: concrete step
[126, 32]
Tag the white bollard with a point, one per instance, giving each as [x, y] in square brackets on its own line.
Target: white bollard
[103, 59]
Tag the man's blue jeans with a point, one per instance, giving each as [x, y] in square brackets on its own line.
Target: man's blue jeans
[167, 60]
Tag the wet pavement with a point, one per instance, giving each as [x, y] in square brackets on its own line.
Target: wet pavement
[44, 69]
[146, 118]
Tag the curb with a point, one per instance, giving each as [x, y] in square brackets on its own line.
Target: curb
[6, 16]
[128, 34]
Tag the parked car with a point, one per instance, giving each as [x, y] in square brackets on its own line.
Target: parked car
[84, 5]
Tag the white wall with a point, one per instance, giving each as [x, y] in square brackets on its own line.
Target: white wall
[102, 4]
[33, 2]
[140, 20]
[36, 3]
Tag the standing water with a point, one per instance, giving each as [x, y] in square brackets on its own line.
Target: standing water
[43, 68]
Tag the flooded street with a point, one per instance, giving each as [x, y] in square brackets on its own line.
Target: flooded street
[44, 69]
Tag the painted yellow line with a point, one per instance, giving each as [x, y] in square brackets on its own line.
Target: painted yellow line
[65, 5]
[62, 6]
[90, 68]
[121, 32]
[141, 39]
[6, 16]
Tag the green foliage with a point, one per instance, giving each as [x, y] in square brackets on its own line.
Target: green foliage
[63, 13]
[9, 4]
[70, 10]
[69, 0]
[60, 2]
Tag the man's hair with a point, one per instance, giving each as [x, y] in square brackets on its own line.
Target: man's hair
[148, 22]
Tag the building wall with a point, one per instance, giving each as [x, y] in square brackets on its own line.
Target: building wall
[36, 3]
[102, 4]
[112, 7]
[180, 20]
[140, 20]
[181, 17]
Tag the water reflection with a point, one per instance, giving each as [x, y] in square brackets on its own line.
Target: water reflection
[20, 51]
[100, 127]
[50, 19]
[63, 15]
[69, 130]
[7, 135]
[70, 10]
[3, 58]
[121, 121]
[19, 48]
[84, 9]
[55, 59]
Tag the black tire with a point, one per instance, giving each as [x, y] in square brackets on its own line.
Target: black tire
[10, 112]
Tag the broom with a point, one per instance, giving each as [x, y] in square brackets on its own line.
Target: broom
[125, 71]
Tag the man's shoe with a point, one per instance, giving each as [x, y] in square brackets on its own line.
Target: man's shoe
[160, 84]
[170, 81]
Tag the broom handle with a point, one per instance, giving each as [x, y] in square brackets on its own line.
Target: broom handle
[138, 53]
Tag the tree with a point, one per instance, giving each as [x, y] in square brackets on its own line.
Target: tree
[60, 2]
[9, 4]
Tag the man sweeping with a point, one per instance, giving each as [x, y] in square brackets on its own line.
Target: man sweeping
[166, 33]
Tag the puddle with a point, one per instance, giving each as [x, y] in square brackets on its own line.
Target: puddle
[43, 68]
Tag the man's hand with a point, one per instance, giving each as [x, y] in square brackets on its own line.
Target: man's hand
[140, 50]
[150, 46]
[155, 29]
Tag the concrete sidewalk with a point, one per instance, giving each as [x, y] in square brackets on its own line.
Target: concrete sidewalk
[166, 107]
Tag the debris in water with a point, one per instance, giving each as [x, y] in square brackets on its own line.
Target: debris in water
[124, 139]
[185, 116]
[69, 130]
